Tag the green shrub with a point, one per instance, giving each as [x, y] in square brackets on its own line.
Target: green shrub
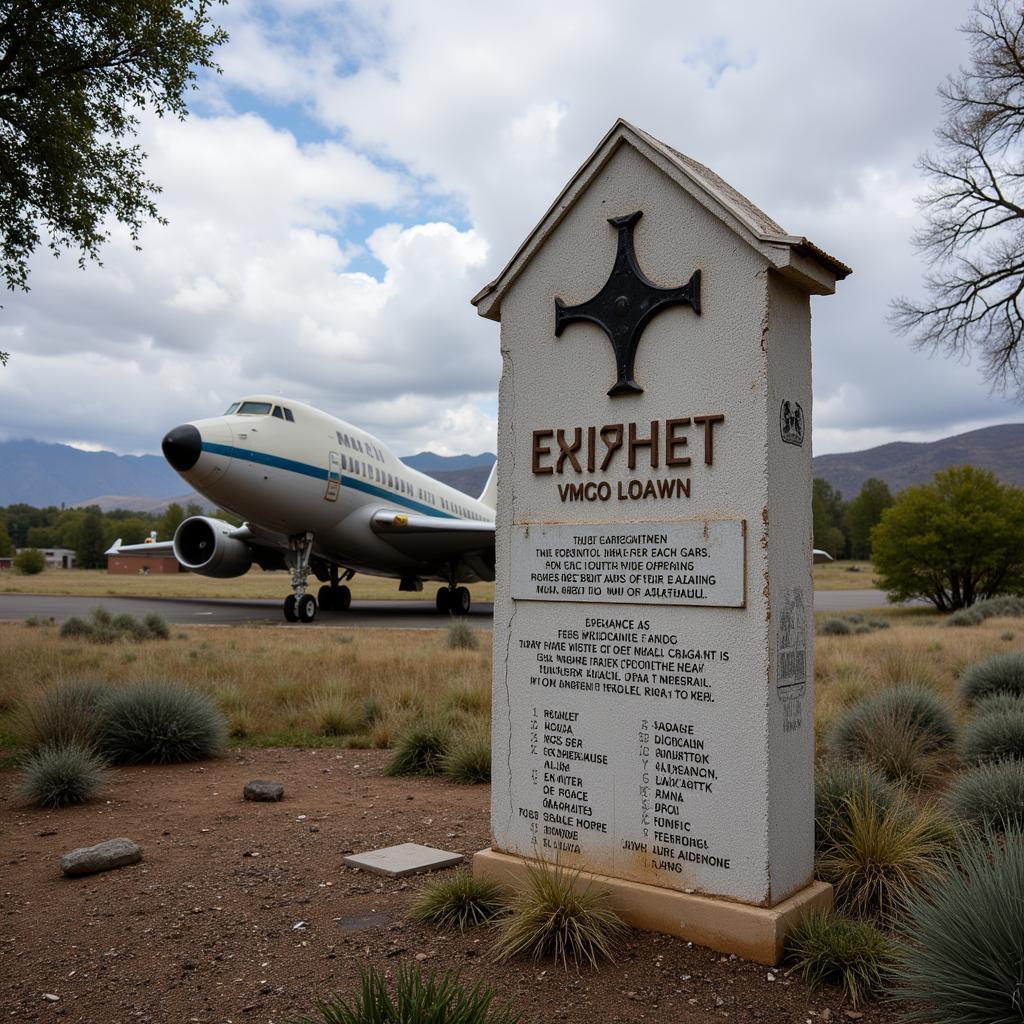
[156, 626]
[835, 627]
[75, 627]
[965, 617]
[457, 901]
[29, 562]
[461, 636]
[65, 714]
[875, 855]
[990, 795]
[994, 736]
[994, 607]
[826, 947]
[902, 731]
[126, 625]
[434, 1000]
[557, 915]
[161, 723]
[58, 775]
[419, 749]
[834, 784]
[1002, 673]
[1000, 703]
[104, 628]
[962, 957]
[468, 757]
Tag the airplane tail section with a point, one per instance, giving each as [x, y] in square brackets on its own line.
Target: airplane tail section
[489, 497]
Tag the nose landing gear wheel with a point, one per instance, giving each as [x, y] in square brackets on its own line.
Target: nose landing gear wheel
[305, 608]
[289, 609]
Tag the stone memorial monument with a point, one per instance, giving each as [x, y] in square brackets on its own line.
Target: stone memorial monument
[653, 676]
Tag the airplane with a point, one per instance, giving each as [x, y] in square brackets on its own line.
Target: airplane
[321, 497]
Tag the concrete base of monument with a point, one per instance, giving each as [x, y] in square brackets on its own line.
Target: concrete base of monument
[754, 933]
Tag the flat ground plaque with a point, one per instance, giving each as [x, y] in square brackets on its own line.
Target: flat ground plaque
[404, 859]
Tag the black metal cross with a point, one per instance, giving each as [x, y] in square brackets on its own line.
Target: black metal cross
[626, 304]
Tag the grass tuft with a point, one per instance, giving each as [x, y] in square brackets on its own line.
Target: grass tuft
[457, 901]
[161, 723]
[420, 748]
[990, 795]
[834, 785]
[1001, 673]
[993, 607]
[826, 947]
[960, 961]
[995, 735]
[835, 627]
[468, 757]
[557, 915]
[59, 775]
[68, 713]
[461, 636]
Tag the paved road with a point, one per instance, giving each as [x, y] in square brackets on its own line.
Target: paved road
[388, 614]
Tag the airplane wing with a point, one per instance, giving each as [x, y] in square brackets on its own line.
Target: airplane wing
[432, 539]
[163, 547]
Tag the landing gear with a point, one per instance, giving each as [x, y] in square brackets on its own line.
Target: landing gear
[453, 600]
[305, 607]
[335, 596]
[289, 609]
[300, 606]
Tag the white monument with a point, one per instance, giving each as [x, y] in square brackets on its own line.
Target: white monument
[653, 676]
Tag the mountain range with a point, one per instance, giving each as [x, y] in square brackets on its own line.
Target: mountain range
[54, 474]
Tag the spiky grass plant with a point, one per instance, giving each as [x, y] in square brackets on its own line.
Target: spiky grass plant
[61, 774]
[961, 960]
[68, 713]
[161, 722]
[336, 715]
[903, 731]
[1000, 702]
[827, 947]
[835, 783]
[420, 747]
[461, 636]
[990, 795]
[416, 1000]
[458, 901]
[468, 757]
[560, 916]
[997, 735]
[875, 855]
[1001, 673]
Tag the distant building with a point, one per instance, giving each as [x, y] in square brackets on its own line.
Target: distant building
[59, 558]
[6, 563]
[142, 564]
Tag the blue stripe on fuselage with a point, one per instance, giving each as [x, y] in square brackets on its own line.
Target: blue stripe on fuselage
[277, 462]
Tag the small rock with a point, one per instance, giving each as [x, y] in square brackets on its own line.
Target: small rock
[421, 956]
[854, 1014]
[51, 998]
[87, 860]
[261, 789]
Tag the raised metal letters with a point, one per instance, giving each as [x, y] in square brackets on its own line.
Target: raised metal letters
[626, 304]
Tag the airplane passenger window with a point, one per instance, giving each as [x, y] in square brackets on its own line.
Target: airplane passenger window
[233, 407]
[278, 413]
[288, 416]
[338, 433]
[254, 409]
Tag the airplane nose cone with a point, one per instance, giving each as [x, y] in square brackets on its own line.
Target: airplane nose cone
[182, 447]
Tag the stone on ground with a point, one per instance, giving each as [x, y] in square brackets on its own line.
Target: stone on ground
[261, 789]
[87, 860]
[404, 859]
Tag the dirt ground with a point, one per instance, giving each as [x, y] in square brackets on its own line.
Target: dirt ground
[243, 912]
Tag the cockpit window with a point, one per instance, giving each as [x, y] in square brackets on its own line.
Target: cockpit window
[232, 408]
[278, 413]
[254, 409]
[288, 416]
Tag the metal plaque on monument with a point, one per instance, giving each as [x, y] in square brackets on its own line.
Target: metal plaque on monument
[653, 675]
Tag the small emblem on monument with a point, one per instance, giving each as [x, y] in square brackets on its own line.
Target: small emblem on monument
[625, 305]
[791, 422]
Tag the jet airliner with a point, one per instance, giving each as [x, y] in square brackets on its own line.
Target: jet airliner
[321, 497]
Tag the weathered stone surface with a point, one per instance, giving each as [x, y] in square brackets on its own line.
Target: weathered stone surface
[261, 789]
[404, 859]
[87, 860]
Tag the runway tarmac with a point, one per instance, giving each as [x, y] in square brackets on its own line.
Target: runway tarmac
[384, 614]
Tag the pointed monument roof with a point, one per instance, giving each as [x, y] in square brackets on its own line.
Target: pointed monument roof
[792, 255]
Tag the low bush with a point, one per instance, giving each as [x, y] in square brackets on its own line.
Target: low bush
[990, 795]
[56, 775]
[874, 855]
[996, 735]
[29, 562]
[1000, 703]
[834, 784]
[468, 757]
[994, 607]
[826, 947]
[75, 628]
[457, 901]
[961, 957]
[336, 716]
[1002, 673]
[461, 636]
[65, 714]
[161, 723]
[157, 626]
[104, 628]
[419, 749]
[557, 915]
[416, 1000]
[902, 731]
[835, 627]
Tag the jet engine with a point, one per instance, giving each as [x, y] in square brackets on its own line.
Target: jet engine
[205, 546]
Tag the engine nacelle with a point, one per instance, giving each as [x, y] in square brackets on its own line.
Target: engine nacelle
[205, 546]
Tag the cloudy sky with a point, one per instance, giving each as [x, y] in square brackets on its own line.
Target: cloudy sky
[360, 170]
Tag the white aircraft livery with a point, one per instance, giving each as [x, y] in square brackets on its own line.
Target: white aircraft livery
[321, 497]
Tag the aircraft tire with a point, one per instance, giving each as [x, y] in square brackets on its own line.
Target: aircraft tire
[325, 598]
[305, 608]
[289, 609]
[461, 601]
[342, 598]
[444, 600]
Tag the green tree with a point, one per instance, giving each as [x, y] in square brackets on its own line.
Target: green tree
[170, 521]
[73, 78]
[827, 512]
[863, 514]
[5, 541]
[43, 537]
[954, 541]
[91, 541]
[29, 562]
